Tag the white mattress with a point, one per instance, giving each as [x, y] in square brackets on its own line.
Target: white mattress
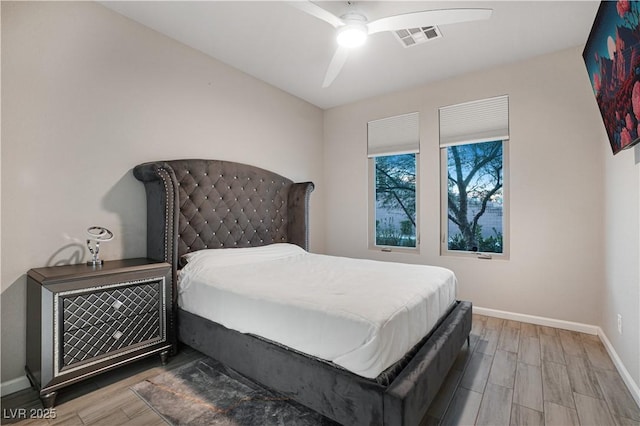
[363, 315]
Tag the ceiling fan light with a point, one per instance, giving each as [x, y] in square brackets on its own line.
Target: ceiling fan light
[352, 35]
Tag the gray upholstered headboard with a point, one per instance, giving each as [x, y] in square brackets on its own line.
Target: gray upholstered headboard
[198, 204]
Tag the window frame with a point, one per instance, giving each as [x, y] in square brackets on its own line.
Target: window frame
[372, 209]
[444, 209]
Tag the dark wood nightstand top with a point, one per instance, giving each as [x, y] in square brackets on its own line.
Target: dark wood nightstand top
[55, 274]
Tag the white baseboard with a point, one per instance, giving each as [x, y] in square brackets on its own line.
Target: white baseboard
[532, 319]
[572, 326]
[15, 385]
[626, 377]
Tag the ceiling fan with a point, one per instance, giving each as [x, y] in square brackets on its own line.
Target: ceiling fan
[354, 27]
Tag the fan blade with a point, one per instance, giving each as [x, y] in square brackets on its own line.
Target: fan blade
[336, 64]
[427, 18]
[317, 11]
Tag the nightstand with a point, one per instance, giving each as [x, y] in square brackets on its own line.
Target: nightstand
[84, 320]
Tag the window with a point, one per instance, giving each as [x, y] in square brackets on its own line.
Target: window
[393, 150]
[395, 200]
[475, 197]
[473, 142]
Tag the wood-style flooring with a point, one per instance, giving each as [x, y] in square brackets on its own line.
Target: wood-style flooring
[511, 374]
[516, 373]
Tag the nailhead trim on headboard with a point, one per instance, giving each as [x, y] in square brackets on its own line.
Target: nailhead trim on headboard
[164, 175]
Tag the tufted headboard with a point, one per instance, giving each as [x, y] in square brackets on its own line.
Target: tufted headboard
[199, 204]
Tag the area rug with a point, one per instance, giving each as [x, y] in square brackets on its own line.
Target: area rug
[204, 392]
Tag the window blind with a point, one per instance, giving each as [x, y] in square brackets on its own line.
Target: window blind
[394, 135]
[473, 122]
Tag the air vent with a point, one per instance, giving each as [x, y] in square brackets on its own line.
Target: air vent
[413, 36]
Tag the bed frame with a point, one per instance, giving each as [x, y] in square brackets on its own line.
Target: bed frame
[199, 204]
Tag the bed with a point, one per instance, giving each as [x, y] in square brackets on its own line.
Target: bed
[196, 206]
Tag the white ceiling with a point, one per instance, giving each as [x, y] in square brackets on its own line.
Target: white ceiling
[289, 49]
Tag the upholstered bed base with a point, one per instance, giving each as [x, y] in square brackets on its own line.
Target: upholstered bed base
[336, 393]
[200, 204]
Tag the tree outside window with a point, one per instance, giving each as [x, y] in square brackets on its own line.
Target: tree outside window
[475, 197]
[395, 212]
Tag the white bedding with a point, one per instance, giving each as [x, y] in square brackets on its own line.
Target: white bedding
[363, 315]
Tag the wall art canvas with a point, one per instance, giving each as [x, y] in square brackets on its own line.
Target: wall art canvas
[612, 58]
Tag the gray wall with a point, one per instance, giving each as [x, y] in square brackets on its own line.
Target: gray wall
[621, 291]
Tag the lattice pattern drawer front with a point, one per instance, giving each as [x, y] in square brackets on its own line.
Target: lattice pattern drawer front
[81, 344]
[91, 309]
